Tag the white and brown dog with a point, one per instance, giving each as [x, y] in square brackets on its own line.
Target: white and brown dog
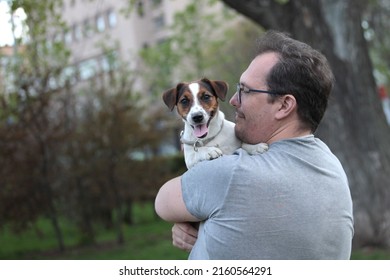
[207, 134]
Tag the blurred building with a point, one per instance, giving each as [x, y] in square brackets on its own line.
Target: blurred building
[101, 31]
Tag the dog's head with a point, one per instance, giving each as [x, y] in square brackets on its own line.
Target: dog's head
[196, 102]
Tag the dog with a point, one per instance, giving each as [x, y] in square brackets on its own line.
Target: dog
[207, 134]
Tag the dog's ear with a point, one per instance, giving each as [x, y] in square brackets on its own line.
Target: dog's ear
[170, 96]
[220, 87]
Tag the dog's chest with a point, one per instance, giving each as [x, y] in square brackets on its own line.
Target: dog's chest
[222, 142]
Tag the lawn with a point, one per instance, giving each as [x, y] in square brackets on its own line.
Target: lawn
[147, 241]
[371, 254]
[149, 238]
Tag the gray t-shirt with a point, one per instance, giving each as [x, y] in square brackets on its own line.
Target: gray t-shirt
[292, 202]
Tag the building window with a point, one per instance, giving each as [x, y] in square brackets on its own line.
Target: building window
[58, 38]
[49, 44]
[109, 61]
[88, 69]
[68, 74]
[112, 19]
[77, 33]
[68, 36]
[100, 23]
[156, 2]
[159, 22]
[87, 28]
[140, 8]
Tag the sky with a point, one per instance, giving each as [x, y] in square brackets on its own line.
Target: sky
[6, 37]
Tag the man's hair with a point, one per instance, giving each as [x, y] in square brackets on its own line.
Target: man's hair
[302, 72]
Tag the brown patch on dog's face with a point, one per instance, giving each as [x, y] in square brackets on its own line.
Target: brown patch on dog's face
[208, 101]
[184, 102]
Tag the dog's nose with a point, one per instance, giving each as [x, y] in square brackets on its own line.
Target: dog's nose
[197, 118]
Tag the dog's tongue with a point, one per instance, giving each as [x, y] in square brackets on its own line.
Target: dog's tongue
[200, 130]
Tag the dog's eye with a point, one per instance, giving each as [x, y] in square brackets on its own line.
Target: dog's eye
[184, 102]
[206, 97]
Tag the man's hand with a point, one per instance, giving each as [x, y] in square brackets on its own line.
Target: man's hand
[184, 235]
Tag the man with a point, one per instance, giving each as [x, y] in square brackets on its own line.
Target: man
[291, 202]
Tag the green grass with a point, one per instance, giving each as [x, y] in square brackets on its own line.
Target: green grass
[143, 242]
[371, 254]
[148, 241]
[149, 238]
[39, 238]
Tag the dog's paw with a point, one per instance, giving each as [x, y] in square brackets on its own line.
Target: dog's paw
[202, 154]
[213, 153]
[255, 149]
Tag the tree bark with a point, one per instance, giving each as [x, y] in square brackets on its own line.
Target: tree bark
[48, 193]
[354, 126]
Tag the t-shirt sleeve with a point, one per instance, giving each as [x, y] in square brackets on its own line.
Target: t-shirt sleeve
[205, 185]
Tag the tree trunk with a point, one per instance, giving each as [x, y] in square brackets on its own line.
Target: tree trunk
[47, 191]
[118, 200]
[354, 126]
[87, 231]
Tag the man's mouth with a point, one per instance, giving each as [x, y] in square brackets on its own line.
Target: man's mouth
[239, 115]
[201, 130]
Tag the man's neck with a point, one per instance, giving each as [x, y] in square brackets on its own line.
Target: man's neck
[290, 130]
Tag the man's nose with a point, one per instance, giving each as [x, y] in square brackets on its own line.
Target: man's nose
[234, 100]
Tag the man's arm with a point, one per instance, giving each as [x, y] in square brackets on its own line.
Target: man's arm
[169, 203]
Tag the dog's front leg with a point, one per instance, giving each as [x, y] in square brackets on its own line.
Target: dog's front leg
[201, 154]
[255, 149]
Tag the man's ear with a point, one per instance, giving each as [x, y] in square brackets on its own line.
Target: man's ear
[287, 105]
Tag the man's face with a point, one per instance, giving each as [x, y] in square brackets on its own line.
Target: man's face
[255, 121]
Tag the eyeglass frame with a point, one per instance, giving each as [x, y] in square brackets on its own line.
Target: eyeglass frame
[241, 88]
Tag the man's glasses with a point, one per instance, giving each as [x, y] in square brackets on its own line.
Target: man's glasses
[242, 89]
